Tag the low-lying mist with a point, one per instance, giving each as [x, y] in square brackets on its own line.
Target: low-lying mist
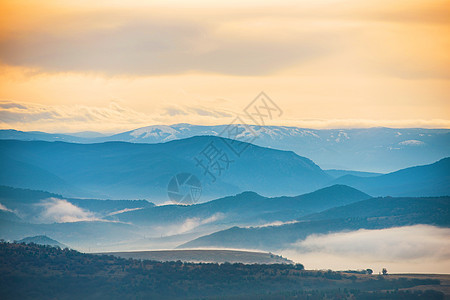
[411, 249]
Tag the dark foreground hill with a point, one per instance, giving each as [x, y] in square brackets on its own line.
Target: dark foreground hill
[42, 272]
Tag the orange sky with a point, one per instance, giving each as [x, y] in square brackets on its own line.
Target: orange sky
[114, 65]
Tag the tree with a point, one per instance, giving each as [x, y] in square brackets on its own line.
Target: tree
[369, 271]
[384, 271]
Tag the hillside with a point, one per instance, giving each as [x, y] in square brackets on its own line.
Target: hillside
[427, 180]
[43, 272]
[246, 208]
[31, 205]
[42, 240]
[376, 213]
[138, 224]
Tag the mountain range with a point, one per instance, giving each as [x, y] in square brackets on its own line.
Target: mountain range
[428, 180]
[263, 223]
[30, 205]
[247, 208]
[371, 149]
[112, 221]
[120, 170]
[251, 196]
[374, 213]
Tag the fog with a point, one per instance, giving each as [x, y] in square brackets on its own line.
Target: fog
[411, 249]
[187, 225]
[60, 210]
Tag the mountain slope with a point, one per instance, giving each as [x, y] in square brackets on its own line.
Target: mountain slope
[27, 175]
[373, 213]
[33, 205]
[125, 170]
[247, 208]
[368, 149]
[339, 173]
[79, 235]
[42, 240]
[11, 134]
[427, 180]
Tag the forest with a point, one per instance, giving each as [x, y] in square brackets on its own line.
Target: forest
[31, 271]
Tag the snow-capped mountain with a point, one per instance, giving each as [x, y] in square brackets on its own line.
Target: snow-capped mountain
[370, 149]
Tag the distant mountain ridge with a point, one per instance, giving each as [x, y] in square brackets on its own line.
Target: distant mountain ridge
[376, 149]
[376, 213]
[29, 204]
[247, 208]
[118, 170]
[264, 223]
[427, 180]
[134, 220]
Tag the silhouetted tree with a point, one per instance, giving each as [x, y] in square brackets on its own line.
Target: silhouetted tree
[384, 271]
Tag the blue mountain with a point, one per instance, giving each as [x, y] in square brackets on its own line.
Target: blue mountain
[246, 208]
[376, 213]
[118, 170]
[427, 180]
[369, 149]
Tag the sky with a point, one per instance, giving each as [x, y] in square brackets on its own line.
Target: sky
[110, 66]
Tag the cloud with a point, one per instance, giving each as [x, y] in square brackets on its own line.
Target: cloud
[275, 223]
[115, 116]
[2, 207]
[8, 105]
[188, 225]
[124, 210]
[198, 110]
[62, 211]
[256, 40]
[13, 112]
[172, 111]
[366, 123]
[68, 118]
[148, 44]
[417, 248]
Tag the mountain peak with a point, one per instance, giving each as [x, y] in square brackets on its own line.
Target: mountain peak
[339, 188]
[42, 240]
